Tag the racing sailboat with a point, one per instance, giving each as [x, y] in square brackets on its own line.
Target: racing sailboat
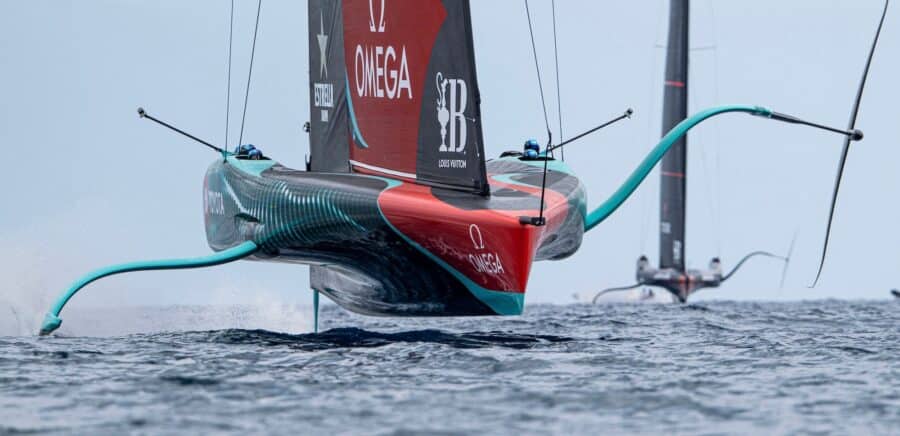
[672, 273]
[399, 212]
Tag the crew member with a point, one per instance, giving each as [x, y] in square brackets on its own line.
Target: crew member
[532, 150]
[248, 151]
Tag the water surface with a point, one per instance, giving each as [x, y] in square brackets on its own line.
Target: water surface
[825, 366]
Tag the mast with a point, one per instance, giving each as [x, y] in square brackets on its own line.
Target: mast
[672, 201]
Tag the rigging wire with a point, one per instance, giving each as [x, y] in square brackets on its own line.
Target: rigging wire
[250, 72]
[228, 89]
[562, 151]
[537, 69]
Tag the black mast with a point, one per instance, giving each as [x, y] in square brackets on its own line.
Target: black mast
[672, 274]
[672, 200]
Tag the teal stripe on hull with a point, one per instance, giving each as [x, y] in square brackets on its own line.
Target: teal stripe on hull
[252, 167]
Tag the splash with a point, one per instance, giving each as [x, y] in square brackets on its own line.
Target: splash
[28, 290]
[24, 295]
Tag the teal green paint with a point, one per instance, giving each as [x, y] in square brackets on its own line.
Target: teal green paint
[507, 178]
[503, 303]
[640, 173]
[552, 165]
[392, 183]
[315, 311]
[52, 320]
[252, 167]
[317, 208]
[355, 127]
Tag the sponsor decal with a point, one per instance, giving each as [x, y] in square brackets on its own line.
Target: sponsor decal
[451, 114]
[323, 47]
[372, 28]
[388, 88]
[323, 93]
[452, 163]
[381, 71]
[213, 203]
[483, 260]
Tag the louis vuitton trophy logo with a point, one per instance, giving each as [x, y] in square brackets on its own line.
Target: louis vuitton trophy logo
[451, 113]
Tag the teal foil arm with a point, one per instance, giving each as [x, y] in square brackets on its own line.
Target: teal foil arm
[640, 173]
[52, 320]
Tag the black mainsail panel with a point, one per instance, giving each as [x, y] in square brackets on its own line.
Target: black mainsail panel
[329, 134]
[394, 91]
[451, 147]
[329, 126]
[674, 164]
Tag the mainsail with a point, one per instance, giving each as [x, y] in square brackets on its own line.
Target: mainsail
[395, 92]
[674, 163]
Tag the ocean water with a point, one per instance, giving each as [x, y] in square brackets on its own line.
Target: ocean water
[708, 368]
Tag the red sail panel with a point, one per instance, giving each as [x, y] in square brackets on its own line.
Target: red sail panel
[387, 46]
[412, 92]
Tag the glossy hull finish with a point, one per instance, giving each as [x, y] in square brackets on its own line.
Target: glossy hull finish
[392, 247]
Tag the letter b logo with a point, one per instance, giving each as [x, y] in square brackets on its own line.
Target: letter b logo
[451, 111]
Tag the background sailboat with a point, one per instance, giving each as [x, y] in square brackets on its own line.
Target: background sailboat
[672, 273]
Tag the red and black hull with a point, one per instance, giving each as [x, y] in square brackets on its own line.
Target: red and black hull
[390, 247]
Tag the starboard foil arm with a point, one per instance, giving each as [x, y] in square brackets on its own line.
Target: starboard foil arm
[605, 209]
[240, 251]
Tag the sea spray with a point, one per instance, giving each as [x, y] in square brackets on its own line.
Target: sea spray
[24, 294]
[125, 320]
[34, 278]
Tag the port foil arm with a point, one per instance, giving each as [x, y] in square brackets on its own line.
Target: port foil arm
[52, 320]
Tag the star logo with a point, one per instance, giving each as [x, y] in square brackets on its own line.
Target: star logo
[323, 44]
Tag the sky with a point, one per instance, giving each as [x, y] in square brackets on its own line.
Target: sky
[87, 183]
